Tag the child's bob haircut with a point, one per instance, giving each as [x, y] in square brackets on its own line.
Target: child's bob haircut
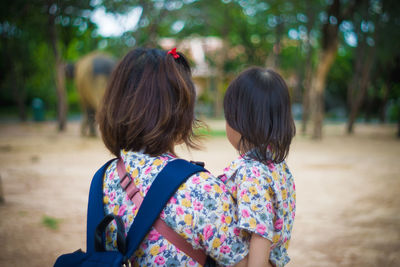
[257, 105]
[149, 104]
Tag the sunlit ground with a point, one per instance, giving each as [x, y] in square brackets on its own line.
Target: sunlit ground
[348, 209]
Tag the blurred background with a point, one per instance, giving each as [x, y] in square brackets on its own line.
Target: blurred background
[340, 59]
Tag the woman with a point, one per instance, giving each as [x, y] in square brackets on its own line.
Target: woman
[147, 109]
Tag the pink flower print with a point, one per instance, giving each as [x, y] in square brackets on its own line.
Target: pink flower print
[192, 263]
[245, 213]
[234, 188]
[222, 239]
[226, 170]
[207, 187]
[162, 248]
[243, 192]
[147, 189]
[154, 235]
[111, 176]
[269, 207]
[179, 210]
[261, 229]
[159, 260]
[187, 196]
[197, 240]
[134, 210]
[236, 231]
[223, 187]
[196, 180]
[112, 196]
[285, 205]
[294, 187]
[223, 218]
[163, 158]
[225, 249]
[147, 170]
[207, 232]
[271, 166]
[122, 210]
[278, 224]
[172, 200]
[255, 171]
[293, 215]
[188, 231]
[162, 215]
[223, 178]
[197, 205]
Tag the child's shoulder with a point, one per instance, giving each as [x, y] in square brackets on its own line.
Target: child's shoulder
[247, 167]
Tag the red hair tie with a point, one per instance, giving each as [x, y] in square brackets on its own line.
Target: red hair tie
[173, 53]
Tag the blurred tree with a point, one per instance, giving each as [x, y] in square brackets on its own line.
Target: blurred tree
[335, 14]
[28, 28]
[312, 9]
[359, 83]
[64, 12]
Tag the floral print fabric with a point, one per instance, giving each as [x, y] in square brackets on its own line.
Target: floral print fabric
[266, 201]
[202, 211]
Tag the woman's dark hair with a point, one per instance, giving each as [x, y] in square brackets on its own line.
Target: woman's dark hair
[257, 105]
[149, 104]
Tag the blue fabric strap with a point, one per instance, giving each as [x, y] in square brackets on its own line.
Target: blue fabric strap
[95, 211]
[161, 190]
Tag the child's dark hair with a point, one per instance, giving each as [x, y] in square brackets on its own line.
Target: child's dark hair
[257, 105]
[149, 104]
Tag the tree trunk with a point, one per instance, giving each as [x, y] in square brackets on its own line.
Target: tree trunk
[62, 107]
[61, 95]
[364, 82]
[19, 96]
[1, 192]
[17, 82]
[382, 110]
[307, 81]
[398, 121]
[327, 57]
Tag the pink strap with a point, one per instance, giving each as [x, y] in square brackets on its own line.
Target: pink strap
[167, 232]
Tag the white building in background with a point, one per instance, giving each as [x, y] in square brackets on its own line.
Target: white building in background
[197, 49]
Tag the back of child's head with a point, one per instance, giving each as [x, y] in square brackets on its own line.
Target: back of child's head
[257, 106]
[149, 103]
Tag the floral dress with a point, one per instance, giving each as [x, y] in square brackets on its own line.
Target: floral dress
[202, 211]
[266, 201]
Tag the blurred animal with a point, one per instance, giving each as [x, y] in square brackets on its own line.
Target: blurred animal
[91, 75]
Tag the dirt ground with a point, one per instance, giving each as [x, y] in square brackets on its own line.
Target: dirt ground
[348, 205]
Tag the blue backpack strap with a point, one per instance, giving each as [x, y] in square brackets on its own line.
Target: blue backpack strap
[161, 190]
[95, 212]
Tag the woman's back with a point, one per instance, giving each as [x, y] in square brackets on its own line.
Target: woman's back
[201, 211]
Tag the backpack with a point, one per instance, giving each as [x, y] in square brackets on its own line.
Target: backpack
[164, 186]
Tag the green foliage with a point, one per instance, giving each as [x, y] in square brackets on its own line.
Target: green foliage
[338, 78]
[51, 222]
[252, 32]
[211, 133]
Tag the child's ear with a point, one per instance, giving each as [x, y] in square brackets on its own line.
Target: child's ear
[233, 136]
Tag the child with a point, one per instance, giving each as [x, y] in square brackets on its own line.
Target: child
[259, 124]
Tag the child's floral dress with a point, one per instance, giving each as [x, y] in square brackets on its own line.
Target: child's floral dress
[202, 211]
[266, 201]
